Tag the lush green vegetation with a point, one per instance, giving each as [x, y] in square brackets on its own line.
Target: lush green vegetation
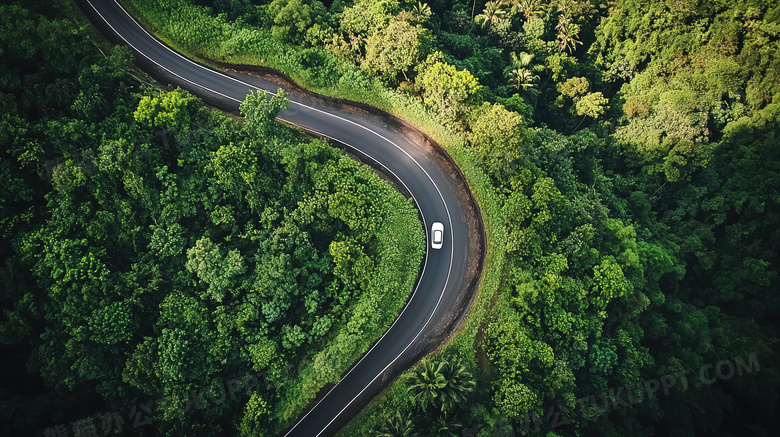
[628, 170]
[624, 155]
[163, 260]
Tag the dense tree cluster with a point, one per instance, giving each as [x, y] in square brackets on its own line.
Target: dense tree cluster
[629, 149]
[155, 250]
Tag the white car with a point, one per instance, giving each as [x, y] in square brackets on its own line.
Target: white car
[437, 235]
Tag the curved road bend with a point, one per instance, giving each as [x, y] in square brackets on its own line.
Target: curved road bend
[448, 276]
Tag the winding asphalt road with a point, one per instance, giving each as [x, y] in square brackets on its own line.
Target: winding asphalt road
[448, 276]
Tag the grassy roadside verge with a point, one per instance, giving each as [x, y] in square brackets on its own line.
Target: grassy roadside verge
[402, 246]
[463, 343]
[217, 40]
[212, 39]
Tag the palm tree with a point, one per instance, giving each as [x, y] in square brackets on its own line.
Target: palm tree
[568, 34]
[397, 425]
[565, 7]
[531, 8]
[421, 12]
[520, 74]
[445, 426]
[521, 79]
[442, 384]
[494, 10]
[460, 383]
[528, 8]
[426, 384]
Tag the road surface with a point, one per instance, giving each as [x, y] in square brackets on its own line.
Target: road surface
[449, 275]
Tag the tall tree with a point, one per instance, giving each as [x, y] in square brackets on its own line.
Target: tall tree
[446, 89]
[493, 12]
[426, 384]
[500, 136]
[520, 74]
[260, 109]
[396, 48]
[568, 34]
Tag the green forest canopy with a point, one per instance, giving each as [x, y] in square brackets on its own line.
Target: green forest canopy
[155, 250]
[630, 152]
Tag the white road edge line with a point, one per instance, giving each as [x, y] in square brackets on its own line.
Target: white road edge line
[376, 343]
[452, 250]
